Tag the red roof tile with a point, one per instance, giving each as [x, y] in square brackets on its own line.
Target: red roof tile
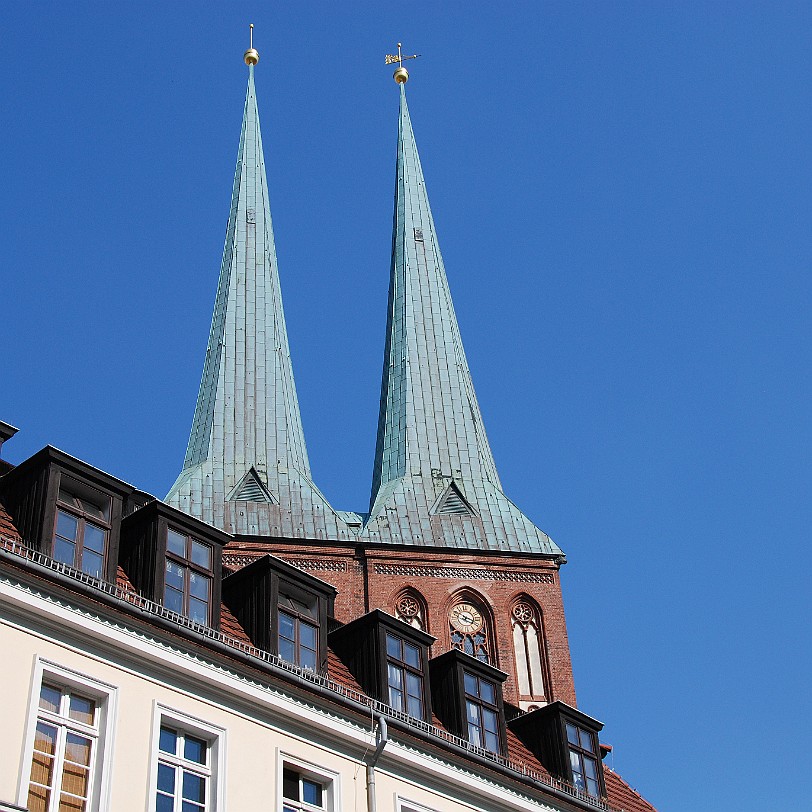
[621, 796]
[7, 528]
[231, 626]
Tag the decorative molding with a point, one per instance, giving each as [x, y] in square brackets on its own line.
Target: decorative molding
[325, 565]
[460, 572]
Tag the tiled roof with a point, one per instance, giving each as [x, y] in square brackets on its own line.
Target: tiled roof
[247, 439]
[434, 480]
[623, 797]
[7, 528]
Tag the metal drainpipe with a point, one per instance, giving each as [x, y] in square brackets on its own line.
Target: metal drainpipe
[381, 738]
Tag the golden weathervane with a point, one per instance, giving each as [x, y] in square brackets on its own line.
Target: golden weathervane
[401, 75]
[251, 56]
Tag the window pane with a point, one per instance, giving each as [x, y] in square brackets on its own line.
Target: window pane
[64, 551]
[586, 740]
[198, 611]
[411, 655]
[176, 543]
[487, 691]
[194, 750]
[489, 720]
[287, 650]
[290, 785]
[592, 787]
[93, 538]
[66, 525]
[287, 625]
[470, 684]
[92, 563]
[174, 575]
[472, 710]
[395, 676]
[311, 792]
[589, 767]
[414, 685]
[307, 635]
[491, 741]
[474, 735]
[572, 735]
[307, 658]
[393, 647]
[191, 806]
[49, 698]
[45, 739]
[414, 706]
[38, 799]
[575, 762]
[395, 698]
[77, 750]
[168, 741]
[75, 780]
[201, 554]
[166, 778]
[173, 600]
[194, 787]
[165, 803]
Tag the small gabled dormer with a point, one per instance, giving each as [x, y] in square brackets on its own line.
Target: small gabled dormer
[565, 741]
[175, 560]
[283, 610]
[69, 510]
[468, 699]
[389, 658]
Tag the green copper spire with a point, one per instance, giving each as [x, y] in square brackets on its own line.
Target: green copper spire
[246, 468]
[434, 480]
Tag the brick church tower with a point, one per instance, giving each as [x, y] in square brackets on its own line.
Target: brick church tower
[441, 547]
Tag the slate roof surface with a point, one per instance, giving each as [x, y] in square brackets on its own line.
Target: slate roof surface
[247, 439]
[434, 479]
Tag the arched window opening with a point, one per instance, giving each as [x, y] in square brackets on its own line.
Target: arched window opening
[411, 608]
[469, 629]
[528, 647]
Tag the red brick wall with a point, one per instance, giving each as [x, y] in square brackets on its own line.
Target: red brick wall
[372, 576]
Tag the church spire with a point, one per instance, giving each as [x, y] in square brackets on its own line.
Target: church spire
[246, 468]
[434, 479]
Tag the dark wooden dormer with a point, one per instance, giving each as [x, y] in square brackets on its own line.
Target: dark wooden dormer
[283, 610]
[565, 741]
[69, 510]
[389, 658]
[467, 695]
[175, 560]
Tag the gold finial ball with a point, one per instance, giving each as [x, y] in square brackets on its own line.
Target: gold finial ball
[401, 75]
[251, 56]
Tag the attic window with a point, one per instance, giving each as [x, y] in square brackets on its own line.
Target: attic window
[583, 761]
[82, 527]
[453, 503]
[251, 489]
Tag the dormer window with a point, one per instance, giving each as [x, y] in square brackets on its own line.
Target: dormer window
[583, 759]
[389, 658]
[187, 584]
[404, 671]
[482, 712]
[298, 635]
[82, 527]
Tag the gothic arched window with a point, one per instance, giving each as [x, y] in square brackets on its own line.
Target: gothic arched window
[470, 629]
[411, 608]
[528, 646]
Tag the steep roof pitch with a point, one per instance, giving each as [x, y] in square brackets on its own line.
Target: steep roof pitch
[434, 479]
[246, 468]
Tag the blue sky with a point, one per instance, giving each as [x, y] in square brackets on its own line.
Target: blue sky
[622, 194]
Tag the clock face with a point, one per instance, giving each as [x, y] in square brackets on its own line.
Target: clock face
[466, 618]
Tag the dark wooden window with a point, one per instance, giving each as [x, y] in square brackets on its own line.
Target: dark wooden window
[482, 712]
[298, 636]
[404, 672]
[188, 580]
[82, 528]
[583, 759]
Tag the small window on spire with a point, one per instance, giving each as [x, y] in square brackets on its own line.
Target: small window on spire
[418, 234]
[453, 503]
[251, 489]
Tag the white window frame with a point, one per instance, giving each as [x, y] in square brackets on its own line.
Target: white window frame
[404, 805]
[329, 781]
[215, 737]
[106, 699]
